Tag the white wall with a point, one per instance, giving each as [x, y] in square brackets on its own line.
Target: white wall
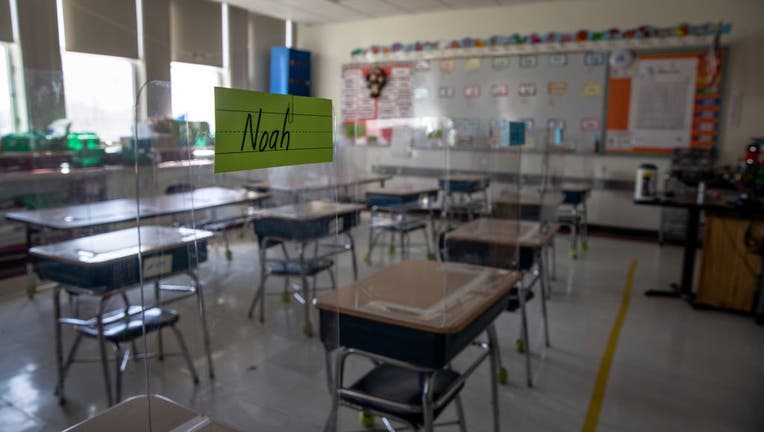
[331, 45]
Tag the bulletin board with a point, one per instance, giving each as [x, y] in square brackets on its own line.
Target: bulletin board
[659, 102]
[480, 96]
[664, 101]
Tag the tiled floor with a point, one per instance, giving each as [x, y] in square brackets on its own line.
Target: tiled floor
[674, 368]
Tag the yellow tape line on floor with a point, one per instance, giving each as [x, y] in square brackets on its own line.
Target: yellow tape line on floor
[598, 394]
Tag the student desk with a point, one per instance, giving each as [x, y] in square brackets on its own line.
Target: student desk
[495, 243]
[398, 201]
[299, 187]
[132, 415]
[105, 265]
[527, 205]
[576, 195]
[418, 313]
[103, 213]
[302, 224]
[458, 191]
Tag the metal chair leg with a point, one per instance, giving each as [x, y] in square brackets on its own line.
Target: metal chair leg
[59, 344]
[118, 372]
[205, 328]
[328, 364]
[460, 413]
[186, 355]
[493, 346]
[427, 401]
[102, 348]
[160, 341]
[351, 242]
[526, 345]
[542, 280]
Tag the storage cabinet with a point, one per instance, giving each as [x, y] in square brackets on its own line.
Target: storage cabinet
[290, 71]
[728, 273]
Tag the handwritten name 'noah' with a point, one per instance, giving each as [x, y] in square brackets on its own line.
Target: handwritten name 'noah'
[265, 140]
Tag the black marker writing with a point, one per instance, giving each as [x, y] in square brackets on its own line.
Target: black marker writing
[266, 140]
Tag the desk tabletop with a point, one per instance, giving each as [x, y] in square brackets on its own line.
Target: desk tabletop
[576, 187]
[465, 178]
[119, 245]
[125, 210]
[325, 182]
[529, 198]
[429, 296]
[132, 415]
[505, 232]
[308, 210]
[402, 190]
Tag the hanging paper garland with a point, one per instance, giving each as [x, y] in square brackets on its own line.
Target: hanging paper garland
[641, 32]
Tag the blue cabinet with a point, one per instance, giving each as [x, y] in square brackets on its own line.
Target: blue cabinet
[290, 71]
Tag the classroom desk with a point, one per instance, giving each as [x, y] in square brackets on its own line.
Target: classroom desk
[457, 195]
[298, 187]
[398, 201]
[132, 415]
[576, 195]
[527, 205]
[106, 265]
[495, 243]
[302, 224]
[103, 213]
[400, 195]
[684, 289]
[421, 313]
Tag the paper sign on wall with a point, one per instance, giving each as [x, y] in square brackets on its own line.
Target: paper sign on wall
[260, 130]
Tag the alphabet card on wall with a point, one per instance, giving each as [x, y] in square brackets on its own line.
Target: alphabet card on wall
[260, 130]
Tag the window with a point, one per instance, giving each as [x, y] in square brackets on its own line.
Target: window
[193, 95]
[6, 101]
[99, 94]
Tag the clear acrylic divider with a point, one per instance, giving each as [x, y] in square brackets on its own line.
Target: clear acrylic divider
[254, 283]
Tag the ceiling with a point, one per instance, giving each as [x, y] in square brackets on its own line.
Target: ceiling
[328, 11]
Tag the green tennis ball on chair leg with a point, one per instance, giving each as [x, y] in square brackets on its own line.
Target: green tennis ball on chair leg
[519, 346]
[307, 329]
[502, 376]
[366, 420]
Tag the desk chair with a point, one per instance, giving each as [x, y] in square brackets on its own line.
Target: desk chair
[395, 222]
[216, 223]
[469, 253]
[573, 214]
[287, 267]
[119, 327]
[403, 392]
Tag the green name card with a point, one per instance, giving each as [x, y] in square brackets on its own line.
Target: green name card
[260, 130]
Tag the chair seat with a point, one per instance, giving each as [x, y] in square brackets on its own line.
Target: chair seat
[123, 329]
[514, 299]
[309, 267]
[405, 226]
[401, 386]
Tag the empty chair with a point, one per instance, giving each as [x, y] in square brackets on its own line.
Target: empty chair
[121, 327]
[300, 267]
[399, 391]
[522, 259]
[395, 223]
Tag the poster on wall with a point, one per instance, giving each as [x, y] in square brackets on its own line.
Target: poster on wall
[363, 116]
[478, 99]
[661, 102]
